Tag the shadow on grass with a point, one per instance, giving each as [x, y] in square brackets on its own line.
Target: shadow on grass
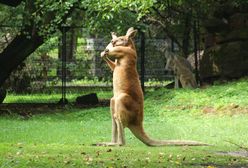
[213, 165]
[28, 109]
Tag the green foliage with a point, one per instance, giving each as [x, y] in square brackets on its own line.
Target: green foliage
[46, 16]
[49, 46]
[20, 80]
[11, 16]
[105, 16]
[102, 16]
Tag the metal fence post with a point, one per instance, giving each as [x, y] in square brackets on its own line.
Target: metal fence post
[196, 48]
[63, 99]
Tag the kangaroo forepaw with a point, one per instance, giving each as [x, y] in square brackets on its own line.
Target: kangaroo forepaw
[104, 53]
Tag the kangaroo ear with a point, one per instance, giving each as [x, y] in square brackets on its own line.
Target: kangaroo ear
[113, 34]
[169, 56]
[131, 32]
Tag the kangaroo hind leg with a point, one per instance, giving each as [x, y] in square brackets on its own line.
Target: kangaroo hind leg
[114, 127]
[121, 118]
[114, 124]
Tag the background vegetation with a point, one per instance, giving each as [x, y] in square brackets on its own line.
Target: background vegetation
[42, 22]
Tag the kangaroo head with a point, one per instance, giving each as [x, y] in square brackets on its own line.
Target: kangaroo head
[126, 40]
[170, 61]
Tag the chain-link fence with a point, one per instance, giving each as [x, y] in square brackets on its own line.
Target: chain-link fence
[42, 72]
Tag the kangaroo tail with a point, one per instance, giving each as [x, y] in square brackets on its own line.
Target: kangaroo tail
[139, 132]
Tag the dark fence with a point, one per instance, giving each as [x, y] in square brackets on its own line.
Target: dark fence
[74, 62]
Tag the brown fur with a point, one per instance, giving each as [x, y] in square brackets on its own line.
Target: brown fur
[183, 71]
[128, 102]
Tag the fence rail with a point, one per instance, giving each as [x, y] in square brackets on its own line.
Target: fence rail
[84, 69]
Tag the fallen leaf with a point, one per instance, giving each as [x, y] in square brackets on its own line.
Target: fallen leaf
[109, 150]
[147, 159]
[98, 153]
[88, 159]
[211, 167]
[18, 153]
[67, 161]
[177, 162]
[83, 153]
[161, 154]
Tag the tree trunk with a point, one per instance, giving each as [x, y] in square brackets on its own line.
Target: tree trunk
[22, 46]
[16, 52]
[186, 34]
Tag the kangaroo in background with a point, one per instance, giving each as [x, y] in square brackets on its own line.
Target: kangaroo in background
[183, 71]
[127, 103]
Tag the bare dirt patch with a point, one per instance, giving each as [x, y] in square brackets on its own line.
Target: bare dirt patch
[231, 109]
[242, 153]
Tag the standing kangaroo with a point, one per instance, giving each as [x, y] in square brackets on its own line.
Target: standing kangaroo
[128, 102]
[183, 71]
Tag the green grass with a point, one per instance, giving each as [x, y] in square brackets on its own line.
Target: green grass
[62, 137]
[52, 97]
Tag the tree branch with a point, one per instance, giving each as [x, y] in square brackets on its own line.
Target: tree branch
[13, 3]
[159, 13]
[166, 30]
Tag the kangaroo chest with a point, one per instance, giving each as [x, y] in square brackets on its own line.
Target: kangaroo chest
[125, 80]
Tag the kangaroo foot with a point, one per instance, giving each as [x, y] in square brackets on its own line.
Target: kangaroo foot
[107, 144]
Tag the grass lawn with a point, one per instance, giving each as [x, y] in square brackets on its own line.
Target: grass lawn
[62, 137]
[51, 97]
